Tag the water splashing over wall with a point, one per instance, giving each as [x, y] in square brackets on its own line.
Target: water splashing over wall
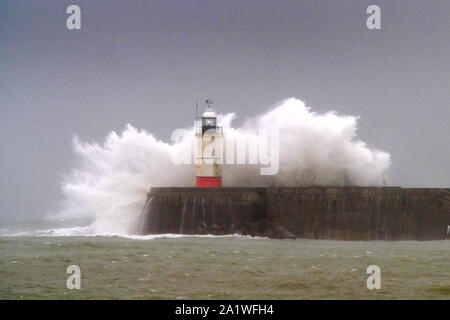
[110, 181]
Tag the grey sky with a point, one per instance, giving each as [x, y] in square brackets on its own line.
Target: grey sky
[147, 62]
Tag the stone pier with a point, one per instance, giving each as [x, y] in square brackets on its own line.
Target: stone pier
[338, 213]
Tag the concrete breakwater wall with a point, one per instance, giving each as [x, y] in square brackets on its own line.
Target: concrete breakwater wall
[340, 213]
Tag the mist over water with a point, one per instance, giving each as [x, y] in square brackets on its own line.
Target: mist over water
[110, 181]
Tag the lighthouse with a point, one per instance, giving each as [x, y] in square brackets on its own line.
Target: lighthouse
[209, 138]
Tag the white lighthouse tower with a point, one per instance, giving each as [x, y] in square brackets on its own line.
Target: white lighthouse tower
[209, 139]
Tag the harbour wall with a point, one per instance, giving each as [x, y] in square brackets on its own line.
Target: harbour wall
[339, 213]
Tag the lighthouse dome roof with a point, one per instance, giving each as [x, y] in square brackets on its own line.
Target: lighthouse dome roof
[209, 114]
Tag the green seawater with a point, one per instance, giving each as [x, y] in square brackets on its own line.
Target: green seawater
[221, 268]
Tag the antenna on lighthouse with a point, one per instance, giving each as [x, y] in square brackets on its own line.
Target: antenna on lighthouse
[209, 102]
[196, 107]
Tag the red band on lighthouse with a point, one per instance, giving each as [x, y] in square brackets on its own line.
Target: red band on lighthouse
[209, 182]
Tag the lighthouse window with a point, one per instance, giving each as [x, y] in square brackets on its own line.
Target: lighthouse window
[209, 122]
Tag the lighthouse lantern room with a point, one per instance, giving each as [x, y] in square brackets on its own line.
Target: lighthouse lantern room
[209, 139]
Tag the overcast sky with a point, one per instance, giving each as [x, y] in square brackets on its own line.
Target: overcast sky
[147, 62]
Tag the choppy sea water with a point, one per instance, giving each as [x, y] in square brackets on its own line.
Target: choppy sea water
[232, 267]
